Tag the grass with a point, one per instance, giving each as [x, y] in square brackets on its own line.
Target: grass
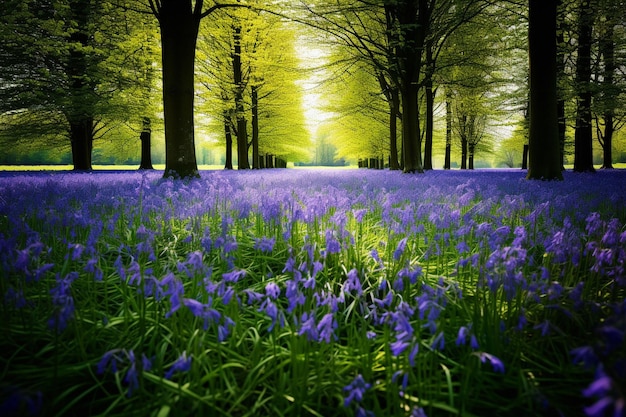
[319, 293]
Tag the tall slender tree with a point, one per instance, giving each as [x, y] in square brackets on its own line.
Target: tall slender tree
[544, 151]
[583, 138]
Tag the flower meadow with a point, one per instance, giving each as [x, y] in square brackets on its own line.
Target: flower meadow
[312, 293]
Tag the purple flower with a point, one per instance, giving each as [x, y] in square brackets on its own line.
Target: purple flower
[438, 342]
[63, 302]
[355, 390]
[194, 260]
[462, 335]
[223, 330]
[332, 244]
[272, 290]
[118, 358]
[496, 363]
[399, 346]
[182, 364]
[172, 287]
[271, 310]
[585, 355]
[405, 378]
[418, 412]
[131, 378]
[400, 248]
[326, 327]
[610, 401]
[265, 244]
[353, 283]
[92, 267]
[19, 401]
[135, 273]
[204, 311]
[234, 276]
[308, 327]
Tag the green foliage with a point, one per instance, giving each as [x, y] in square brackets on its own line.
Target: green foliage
[64, 60]
[270, 64]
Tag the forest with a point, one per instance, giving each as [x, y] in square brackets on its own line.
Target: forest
[405, 85]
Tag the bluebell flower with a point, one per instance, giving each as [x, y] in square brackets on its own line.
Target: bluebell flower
[203, 311]
[400, 248]
[462, 336]
[92, 267]
[17, 401]
[463, 247]
[308, 327]
[355, 390]
[253, 296]
[332, 244]
[234, 276]
[119, 265]
[15, 298]
[223, 329]
[418, 412]
[265, 244]
[173, 287]
[398, 346]
[272, 290]
[134, 270]
[182, 364]
[405, 378]
[496, 363]
[610, 400]
[438, 342]
[271, 310]
[117, 359]
[63, 302]
[326, 327]
[362, 412]
[195, 261]
[413, 353]
[132, 377]
[353, 283]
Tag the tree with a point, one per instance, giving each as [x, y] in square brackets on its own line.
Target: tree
[264, 94]
[65, 67]
[179, 22]
[609, 113]
[544, 150]
[583, 153]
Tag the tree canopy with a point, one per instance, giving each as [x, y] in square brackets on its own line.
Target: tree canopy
[83, 78]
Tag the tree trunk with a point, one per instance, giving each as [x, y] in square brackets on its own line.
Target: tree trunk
[471, 147]
[255, 127]
[145, 137]
[229, 141]
[543, 143]
[242, 125]
[430, 104]
[409, 54]
[607, 50]
[81, 137]
[560, 75]
[81, 93]
[583, 139]
[179, 31]
[447, 162]
[525, 157]
[394, 110]
[463, 151]
[393, 100]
